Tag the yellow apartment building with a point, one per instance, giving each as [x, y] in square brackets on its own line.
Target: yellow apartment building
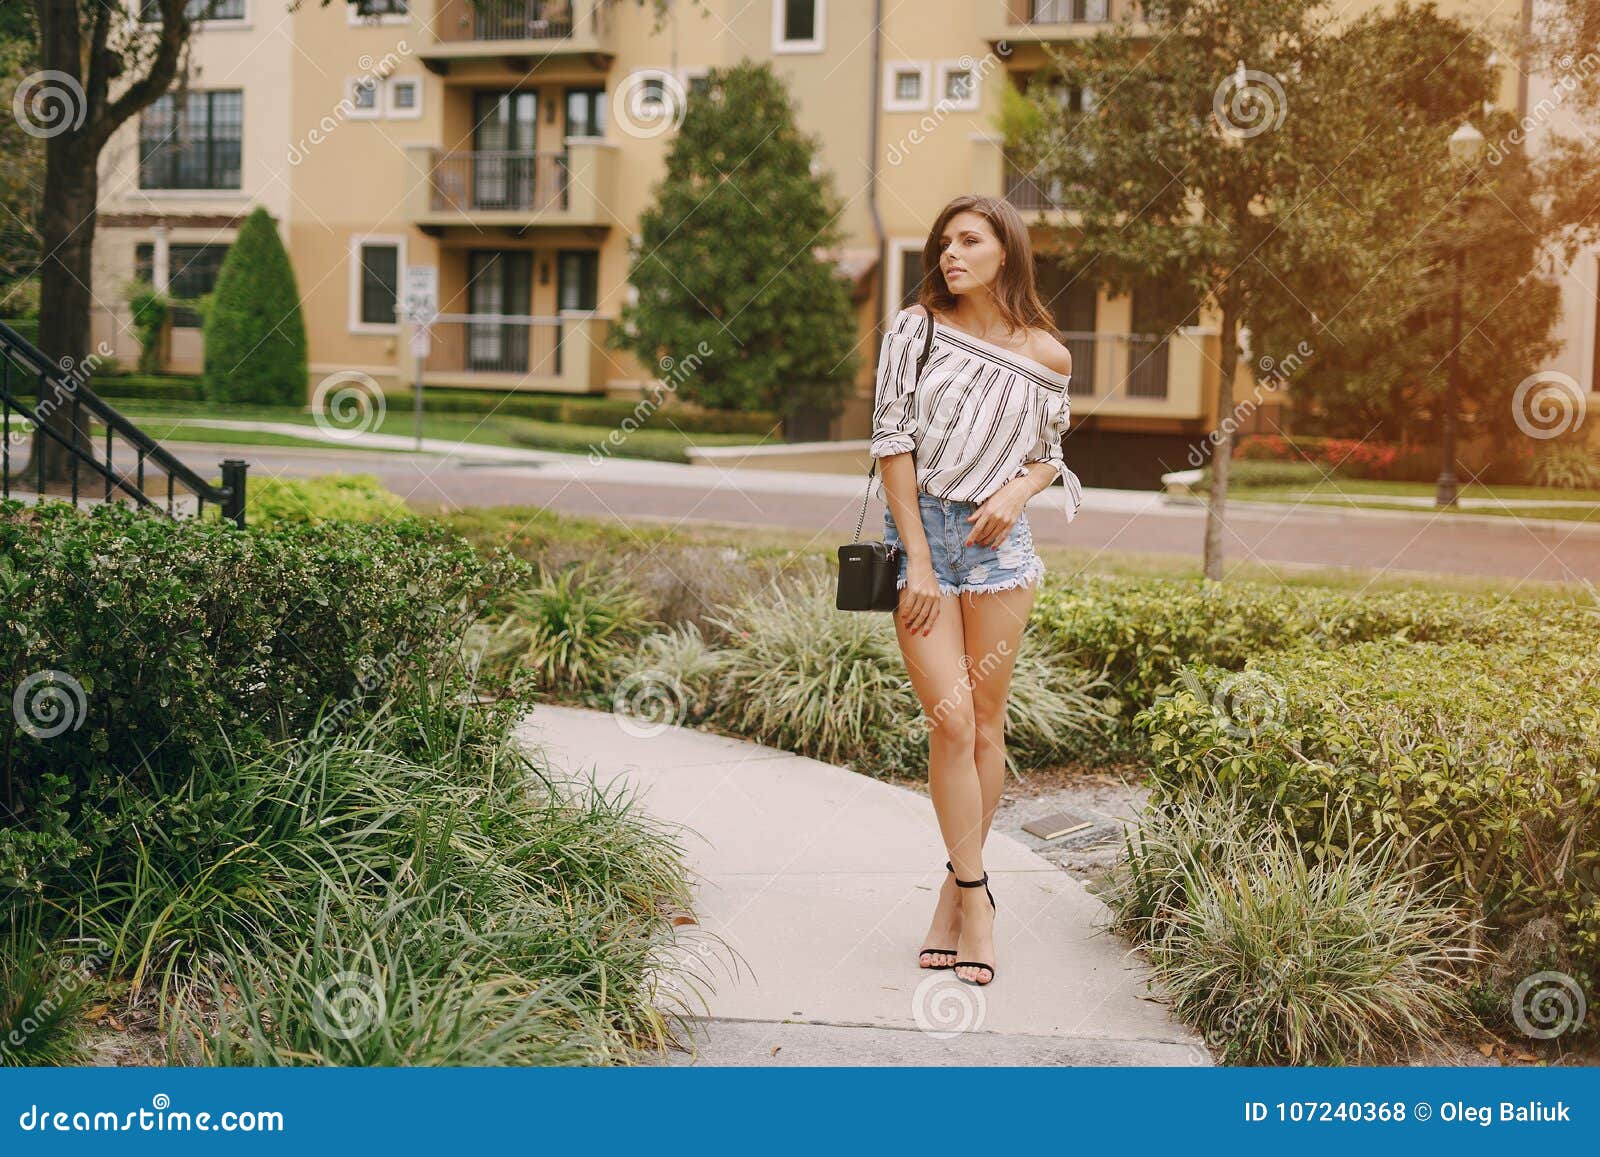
[509, 146]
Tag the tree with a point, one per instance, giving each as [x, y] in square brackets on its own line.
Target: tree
[728, 258]
[1242, 152]
[255, 335]
[21, 165]
[100, 65]
[1381, 372]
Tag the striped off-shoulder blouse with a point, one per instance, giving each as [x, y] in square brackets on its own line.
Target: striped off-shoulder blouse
[980, 414]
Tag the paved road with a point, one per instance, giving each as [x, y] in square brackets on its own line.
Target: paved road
[1130, 521]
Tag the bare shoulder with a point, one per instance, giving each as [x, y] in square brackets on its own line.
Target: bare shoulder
[1045, 349]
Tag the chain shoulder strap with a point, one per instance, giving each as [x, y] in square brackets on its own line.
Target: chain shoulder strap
[922, 359]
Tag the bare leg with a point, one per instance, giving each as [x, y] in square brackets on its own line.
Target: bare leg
[934, 664]
[993, 624]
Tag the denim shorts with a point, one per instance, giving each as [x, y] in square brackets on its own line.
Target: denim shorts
[974, 568]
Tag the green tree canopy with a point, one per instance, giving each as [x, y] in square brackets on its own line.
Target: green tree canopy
[729, 260]
[255, 337]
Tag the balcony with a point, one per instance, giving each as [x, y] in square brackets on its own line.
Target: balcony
[493, 351]
[1023, 22]
[1140, 374]
[512, 189]
[519, 33]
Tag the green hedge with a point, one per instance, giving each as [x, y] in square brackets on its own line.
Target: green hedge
[187, 637]
[1140, 632]
[148, 387]
[1486, 756]
[594, 411]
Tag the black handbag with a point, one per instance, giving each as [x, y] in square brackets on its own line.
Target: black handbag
[868, 571]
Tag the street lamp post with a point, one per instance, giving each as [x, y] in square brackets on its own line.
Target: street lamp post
[1466, 146]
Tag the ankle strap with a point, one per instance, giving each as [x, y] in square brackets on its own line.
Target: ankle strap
[960, 883]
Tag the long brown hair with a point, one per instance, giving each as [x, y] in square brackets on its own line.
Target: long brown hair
[1014, 289]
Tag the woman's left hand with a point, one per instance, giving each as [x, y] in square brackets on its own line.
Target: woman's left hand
[993, 520]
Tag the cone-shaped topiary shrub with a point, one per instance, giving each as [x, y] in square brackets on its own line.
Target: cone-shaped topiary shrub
[255, 337]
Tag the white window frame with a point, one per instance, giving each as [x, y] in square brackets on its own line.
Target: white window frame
[392, 110]
[358, 242]
[242, 23]
[942, 84]
[356, 20]
[896, 279]
[780, 45]
[357, 113]
[891, 72]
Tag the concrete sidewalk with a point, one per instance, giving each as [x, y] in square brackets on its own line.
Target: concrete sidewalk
[813, 888]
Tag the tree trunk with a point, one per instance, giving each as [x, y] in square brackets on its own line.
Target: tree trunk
[66, 229]
[1222, 450]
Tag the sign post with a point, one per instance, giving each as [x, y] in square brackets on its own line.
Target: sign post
[420, 304]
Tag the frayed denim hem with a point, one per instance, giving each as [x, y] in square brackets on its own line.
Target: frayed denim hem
[1027, 576]
[944, 587]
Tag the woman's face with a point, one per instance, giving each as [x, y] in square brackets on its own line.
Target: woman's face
[969, 253]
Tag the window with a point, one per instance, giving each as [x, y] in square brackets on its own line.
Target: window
[191, 273]
[375, 264]
[586, 112]
[797, 25]
[958, 85]
[195, 148]
[1069, 11]
[906, 86]
[364, 94]
[405, 97]
[696, 81]
[578, 279]
[377, 11]
[207, 10]
[910, 276]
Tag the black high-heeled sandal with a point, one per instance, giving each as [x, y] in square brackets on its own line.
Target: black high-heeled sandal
[984, 884]
[937, 951]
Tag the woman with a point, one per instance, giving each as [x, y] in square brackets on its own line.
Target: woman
[963, 451]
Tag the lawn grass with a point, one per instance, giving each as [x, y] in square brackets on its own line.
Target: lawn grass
[166, 419]
[1369, 494]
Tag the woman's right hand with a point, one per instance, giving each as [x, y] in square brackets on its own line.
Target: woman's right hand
[919, 598]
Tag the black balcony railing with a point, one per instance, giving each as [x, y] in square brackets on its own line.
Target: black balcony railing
[499, 180]
[1026, 191]
[34, 391]
[506, 19]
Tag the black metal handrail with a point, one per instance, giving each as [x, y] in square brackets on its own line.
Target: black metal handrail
[44, 377]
